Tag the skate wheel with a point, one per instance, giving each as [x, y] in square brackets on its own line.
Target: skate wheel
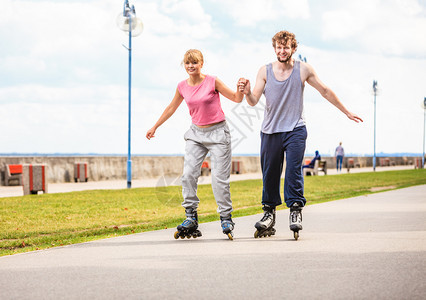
[182, 237]
[188, 236]
[176, 235]
[256, 234]
[230, 236]
[296, 235]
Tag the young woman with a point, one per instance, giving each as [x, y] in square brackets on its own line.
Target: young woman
[208, 133]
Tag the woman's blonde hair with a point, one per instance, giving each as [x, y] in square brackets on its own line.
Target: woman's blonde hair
[194, 56]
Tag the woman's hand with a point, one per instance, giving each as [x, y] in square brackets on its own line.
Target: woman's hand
[151, 133]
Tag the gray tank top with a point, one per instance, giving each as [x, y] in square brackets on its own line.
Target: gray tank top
[284, 102]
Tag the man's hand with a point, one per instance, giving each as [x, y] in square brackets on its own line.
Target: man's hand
[243, 86]
[354, 117]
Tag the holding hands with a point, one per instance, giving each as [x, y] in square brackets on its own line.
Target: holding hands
[243, 86]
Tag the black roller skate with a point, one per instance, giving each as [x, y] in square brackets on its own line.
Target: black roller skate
[265, 227]
[189, 226]
[227, 226]
[296, 219]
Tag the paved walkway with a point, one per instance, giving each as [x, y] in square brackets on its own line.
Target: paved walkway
[12, 191]
[367, 247]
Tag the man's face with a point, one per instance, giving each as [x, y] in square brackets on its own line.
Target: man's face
[283, 52]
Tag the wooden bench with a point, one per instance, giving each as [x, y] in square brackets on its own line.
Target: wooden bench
[205, 168]
[311, 171]
[319, 166]
[14, 173]
[322, 166]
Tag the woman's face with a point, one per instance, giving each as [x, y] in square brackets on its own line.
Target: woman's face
[193, 67]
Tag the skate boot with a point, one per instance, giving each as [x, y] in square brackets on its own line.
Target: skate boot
[296, 219]
[265, 227]
[189, 226]
[227, 226]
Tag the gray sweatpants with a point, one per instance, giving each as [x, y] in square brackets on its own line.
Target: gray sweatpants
[199, 141]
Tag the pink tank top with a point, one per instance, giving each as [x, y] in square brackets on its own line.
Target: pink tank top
[203, 101]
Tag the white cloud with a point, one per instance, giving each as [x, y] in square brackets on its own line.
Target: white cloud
[22, 62]
[54, 27]
[381, 27]
[190, 10]
[251, 13]
[182, 19]
[32, 93]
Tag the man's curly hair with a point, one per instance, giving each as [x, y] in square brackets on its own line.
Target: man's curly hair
[283, 37]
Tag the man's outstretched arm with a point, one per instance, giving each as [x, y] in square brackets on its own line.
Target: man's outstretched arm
[313, 79]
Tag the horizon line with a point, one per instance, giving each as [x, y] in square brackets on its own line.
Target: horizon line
[379, 154]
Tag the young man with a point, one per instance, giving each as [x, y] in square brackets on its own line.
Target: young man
[283, 129]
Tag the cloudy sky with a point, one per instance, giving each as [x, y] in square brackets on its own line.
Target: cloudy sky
[63, 71]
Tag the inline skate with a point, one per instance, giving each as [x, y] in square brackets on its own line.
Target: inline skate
[296, 219]
[265, 227]
[227, 226]
[189, 227]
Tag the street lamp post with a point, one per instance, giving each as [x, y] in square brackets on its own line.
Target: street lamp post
[128, 22]
[375, 94]
[424, 129]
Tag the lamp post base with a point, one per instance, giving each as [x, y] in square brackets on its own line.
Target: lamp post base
[129, 174]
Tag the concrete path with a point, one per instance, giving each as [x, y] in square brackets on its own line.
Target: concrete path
[367, 247]
[15, 191]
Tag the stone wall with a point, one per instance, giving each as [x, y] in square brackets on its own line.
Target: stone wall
[61, 169]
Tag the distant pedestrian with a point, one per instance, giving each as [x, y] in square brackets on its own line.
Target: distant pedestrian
[208, 133]
[339, 153]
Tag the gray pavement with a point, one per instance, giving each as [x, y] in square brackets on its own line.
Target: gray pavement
[367, 247]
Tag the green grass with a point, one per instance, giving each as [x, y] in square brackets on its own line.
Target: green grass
[38, 222]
